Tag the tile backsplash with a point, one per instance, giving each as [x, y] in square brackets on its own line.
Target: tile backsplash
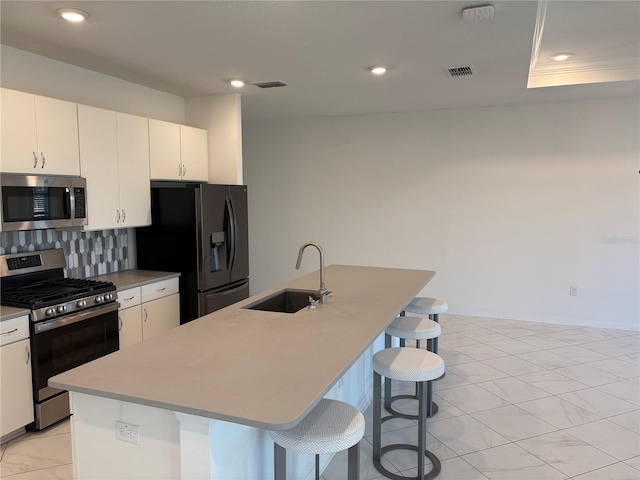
[87, 253]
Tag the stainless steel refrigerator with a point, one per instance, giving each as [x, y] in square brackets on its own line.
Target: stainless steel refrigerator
[201, 231]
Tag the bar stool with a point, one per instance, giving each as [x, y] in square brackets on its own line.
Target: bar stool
[330, 427]
[410, 328]
[412, 365]
[432, 307]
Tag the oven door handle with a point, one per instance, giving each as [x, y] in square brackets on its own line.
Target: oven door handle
[77, 317]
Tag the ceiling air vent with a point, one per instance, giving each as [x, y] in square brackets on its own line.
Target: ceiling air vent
[460, 71]
[274, 84]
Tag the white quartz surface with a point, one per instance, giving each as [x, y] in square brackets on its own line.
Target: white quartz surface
[134, 278]
[257, 368]
[7, 313]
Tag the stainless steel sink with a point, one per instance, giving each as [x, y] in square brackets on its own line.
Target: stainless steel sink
[288, 300]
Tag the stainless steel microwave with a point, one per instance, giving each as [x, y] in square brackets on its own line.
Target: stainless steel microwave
[34, 202]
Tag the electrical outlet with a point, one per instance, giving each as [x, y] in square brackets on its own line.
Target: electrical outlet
[573, 290]
[128, 432]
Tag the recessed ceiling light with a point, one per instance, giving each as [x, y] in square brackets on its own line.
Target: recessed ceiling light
[377, 69]
[560, 57]
[72, 14]
[236, 83]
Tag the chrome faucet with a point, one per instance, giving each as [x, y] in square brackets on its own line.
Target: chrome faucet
[323, 289]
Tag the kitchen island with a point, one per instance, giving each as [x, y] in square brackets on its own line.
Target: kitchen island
[205, 393]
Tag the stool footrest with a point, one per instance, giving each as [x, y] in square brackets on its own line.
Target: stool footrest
[396, 414]
[435, 462]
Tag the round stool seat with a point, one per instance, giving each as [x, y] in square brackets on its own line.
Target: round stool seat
[330, 427]
[408, 364]
[413, 328]
[427, 306]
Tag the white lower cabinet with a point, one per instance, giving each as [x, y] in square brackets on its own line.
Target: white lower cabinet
[130, 326]
[148, 311]
[159, 316]
[16, 391]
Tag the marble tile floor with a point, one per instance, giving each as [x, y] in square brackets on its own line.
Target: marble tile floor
[523, 401]
[520, 401]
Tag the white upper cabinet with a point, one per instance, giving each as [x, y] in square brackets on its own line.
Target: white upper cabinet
[193, 152]
[164, 150]
[177, 152]
[39, 135]
[114, 159]
[99, 165]
[133, 168]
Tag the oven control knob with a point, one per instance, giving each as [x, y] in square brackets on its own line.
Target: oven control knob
[49, 312]
[61, 308]
[108, 296]
[99, 299]
[81, 303]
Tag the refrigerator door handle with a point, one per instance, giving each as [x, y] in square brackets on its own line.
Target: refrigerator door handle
[232, 232]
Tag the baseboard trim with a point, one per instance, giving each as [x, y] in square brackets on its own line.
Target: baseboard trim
[572, 321]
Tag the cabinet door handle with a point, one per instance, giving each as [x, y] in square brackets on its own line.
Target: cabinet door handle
[119, 323]
[124, 216]
[35, 160]
[184, 170]
[117, 216]
[179, 170]
[9, 332]
[26, 349]
[43, 159]
[146, 315]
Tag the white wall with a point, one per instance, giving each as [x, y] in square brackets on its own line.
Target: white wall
[32, 73]
[510, 206]
[221, 116]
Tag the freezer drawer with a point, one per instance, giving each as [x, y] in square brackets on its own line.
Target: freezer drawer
[211, 301]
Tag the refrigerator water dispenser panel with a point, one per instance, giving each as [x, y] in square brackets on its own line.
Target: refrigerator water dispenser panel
[217, 242]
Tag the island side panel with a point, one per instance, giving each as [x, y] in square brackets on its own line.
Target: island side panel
[98, 454]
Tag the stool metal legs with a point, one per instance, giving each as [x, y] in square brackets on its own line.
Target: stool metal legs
[354, 462]
[280, 463]
[420, 449]
[435, 317]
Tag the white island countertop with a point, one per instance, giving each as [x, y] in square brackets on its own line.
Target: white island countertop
[257, 368]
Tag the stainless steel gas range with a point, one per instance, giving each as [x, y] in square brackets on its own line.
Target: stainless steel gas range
[73, 321]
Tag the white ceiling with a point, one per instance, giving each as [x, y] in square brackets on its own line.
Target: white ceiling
[322, 50]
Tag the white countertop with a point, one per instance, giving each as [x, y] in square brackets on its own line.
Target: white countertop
[7, 313]
[263, 369]
[134, 278]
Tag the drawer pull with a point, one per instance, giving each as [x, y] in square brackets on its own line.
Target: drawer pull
[161, 289]
[128, 299]
[9, 332]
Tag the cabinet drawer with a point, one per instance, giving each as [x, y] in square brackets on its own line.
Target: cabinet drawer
[129, 297]
[159, 289]
[14, 329]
